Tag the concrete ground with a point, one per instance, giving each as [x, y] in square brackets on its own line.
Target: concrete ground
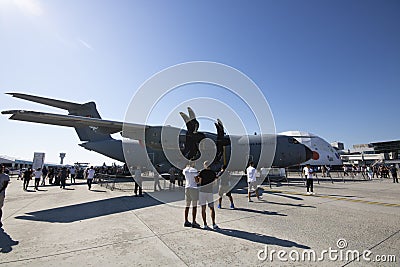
[55, 227]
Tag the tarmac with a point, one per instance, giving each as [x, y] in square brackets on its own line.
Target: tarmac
[75, 226]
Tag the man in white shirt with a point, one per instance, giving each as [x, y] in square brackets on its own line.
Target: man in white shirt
[90, 175]
[4, 180]
[38, 175]
[308, 173]
[251, 180]
[191, 194]
[72, 172]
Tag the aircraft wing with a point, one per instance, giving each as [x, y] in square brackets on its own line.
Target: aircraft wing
[131, 130]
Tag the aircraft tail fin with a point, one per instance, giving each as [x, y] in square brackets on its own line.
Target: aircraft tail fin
[88, 110]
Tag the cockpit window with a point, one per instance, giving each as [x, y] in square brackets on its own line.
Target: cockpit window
[292, 140]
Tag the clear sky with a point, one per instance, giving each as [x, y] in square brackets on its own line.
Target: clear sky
[327, 67]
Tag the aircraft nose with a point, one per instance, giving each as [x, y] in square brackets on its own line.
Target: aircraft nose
[309, 153]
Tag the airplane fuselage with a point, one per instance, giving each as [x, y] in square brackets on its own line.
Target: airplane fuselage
[288, 151]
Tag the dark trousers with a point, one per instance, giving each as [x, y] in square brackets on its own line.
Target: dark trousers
[395, 179]
[1, 215]
[26, 183]
[310, 185]
[62, 182]
[89, 183]
[37, 181]
[136, 189]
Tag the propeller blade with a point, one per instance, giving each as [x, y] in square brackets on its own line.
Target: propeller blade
[185, 117]
[193, 137]
[191, 113]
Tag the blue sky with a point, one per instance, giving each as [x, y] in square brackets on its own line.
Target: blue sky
[327, 67]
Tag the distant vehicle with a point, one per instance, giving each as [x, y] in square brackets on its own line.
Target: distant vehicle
[81, 167]
[95, 133]
[13, 172]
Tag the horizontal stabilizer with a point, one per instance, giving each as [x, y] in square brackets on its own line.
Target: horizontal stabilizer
[96, 125]
[48, 101]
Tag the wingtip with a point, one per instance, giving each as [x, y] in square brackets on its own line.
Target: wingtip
[13, 94]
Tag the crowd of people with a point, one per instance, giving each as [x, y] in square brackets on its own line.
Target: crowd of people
[366, 171]
[370, 172]
[53, 176]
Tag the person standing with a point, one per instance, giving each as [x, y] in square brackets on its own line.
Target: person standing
[138, 182]
[191, 194]
[206, 180]
[27, 177]
[375, 172]
[308, 173]
[157, 181]
[251, 181]
[72, 172]
[323, 169]
[345, 171]
[4, 180]
[51, 175]
[369, 172]
[172, 178]
[225, 186]
[44, 175]
[328, 171]
[63, 174]
[393, 171]
[90, 175]
[38, 175]
[180, 179]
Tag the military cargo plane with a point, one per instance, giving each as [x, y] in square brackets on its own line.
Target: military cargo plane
[95, 134]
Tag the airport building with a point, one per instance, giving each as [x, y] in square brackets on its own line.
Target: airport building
[14, 162]
[387, 152]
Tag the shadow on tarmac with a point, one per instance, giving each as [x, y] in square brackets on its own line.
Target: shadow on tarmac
[261, 211]
[41, 190]
[260, 238]
[30, 191]
[6, 242]
[265, 192]
[330, 195]
[291, 205]
[283, 195]
[90, 210]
